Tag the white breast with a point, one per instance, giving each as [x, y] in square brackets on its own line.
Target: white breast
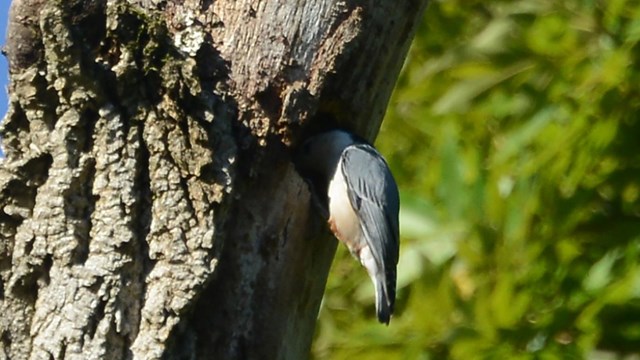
[343, 218]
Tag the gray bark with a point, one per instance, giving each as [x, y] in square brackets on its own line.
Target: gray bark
[148, 204]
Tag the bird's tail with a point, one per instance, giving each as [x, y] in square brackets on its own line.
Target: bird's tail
[384, 282]
[385, 296]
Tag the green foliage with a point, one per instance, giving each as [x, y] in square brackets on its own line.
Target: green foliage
[514, 135]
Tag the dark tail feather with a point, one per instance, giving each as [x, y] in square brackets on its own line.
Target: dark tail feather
[385, 299]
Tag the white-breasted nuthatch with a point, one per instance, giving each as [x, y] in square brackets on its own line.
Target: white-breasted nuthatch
[363, 204]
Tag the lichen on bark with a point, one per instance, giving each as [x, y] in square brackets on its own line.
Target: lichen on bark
[116, 164]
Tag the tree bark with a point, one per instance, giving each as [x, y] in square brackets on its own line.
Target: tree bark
[148, 204]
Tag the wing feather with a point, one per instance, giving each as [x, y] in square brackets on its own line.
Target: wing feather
[374, 195]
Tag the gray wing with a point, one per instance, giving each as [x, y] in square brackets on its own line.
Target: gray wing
[374, 194]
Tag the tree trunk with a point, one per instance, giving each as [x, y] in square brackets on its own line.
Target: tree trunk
[148, 204]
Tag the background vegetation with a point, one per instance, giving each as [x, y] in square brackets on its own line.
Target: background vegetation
[515, 139]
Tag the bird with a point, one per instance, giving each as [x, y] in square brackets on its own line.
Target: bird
[355, 187]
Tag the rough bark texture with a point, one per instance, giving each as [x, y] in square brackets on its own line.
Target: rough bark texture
[148, 204]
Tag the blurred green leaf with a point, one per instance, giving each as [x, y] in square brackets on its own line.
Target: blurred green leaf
[459, 97]
[599, 275]
[513, 135]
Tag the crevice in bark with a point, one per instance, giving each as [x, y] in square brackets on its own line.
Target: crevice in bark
[50, 100]
[88, 19]
[87, 124]
[36, 170]
[213, 70]
[63, 352]
[16, 123]
[22, 196]
[19, 194]
[8, 229]
[142, 211]
[206, 4]
[187, 196]
[94, 321]
[45, 273]
[79, 204]
[270, 100]
[5, 338]
[26, 288]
